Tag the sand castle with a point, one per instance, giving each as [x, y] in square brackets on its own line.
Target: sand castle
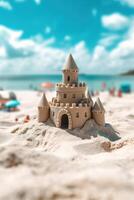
[73, 105]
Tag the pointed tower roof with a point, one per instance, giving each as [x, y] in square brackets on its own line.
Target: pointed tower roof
[43, 102]
[98, 106]
[88, 95]
[70, 63]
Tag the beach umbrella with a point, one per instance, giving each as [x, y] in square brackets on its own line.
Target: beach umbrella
[125, 88]
[47, 85]
[12, 104]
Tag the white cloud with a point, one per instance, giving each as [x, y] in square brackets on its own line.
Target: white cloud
[67, 38]
[36, 52]
[38, 1]
[129, 3]
[40, 40]
[37, 55]
[2, 52]
[94, 12]
[108, 39]
[115, 21]
[20, 1]
[48, 30]
[5, 5]
[13, 45]
[116, 60]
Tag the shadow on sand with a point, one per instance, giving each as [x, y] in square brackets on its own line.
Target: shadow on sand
[109, 132]
[91, 129]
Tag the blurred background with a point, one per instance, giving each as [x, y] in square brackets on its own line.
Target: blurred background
[37, 35]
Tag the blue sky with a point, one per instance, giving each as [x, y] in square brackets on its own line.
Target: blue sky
[37, 35]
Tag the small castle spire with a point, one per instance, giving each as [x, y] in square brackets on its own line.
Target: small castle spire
[88, 96]
[98, 106]
[88, 93]
[70, 63]
[43, 102]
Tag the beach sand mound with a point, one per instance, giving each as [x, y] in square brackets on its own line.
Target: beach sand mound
[43, 162]
[36, 132]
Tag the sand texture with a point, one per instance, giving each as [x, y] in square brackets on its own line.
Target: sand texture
[41, 162]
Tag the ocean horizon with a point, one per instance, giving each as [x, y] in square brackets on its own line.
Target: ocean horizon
[33, 81]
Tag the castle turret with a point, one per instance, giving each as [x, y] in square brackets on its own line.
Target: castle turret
[70, 71]
[98, 112]
[88, 96]
[43, 109]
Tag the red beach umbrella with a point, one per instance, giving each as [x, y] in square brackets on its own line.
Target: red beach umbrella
[47, 85]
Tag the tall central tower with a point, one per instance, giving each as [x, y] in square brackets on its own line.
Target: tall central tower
[70, 90]
[70, 71]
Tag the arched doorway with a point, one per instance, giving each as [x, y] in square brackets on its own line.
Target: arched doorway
[64, 121]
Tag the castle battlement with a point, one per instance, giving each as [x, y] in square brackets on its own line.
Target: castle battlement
[67, 105]
[73, 85]
[72, 106]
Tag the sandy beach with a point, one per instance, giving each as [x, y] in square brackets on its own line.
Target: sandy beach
[41, 162]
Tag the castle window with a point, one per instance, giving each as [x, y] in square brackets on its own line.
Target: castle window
[77, 115]
[82, 95]
[68, 78]
[85, 114]
[73, 96]
[65, 95]
[53, 113]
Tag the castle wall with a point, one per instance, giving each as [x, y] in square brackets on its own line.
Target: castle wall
[77, 115]
[70, 93]
[53, 113]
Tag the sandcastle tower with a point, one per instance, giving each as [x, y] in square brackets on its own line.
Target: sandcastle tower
[70, 71]
[70, 108]
[43, 109]
[73, 105]
[99, 113]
